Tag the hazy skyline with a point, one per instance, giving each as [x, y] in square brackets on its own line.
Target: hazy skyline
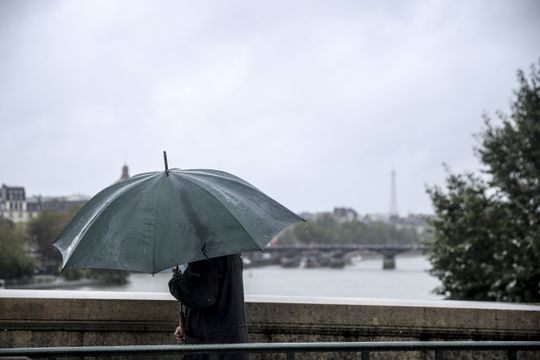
[313, 102]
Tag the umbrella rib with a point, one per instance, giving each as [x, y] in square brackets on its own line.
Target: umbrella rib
[220, 175]
[194, 182]
[73, 245]
[158, 198]
[234, 179]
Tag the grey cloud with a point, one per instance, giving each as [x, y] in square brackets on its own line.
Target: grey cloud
[313, 102]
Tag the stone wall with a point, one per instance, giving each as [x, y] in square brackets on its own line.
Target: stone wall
[78, 318]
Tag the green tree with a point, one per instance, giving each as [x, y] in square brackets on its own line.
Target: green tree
[487, 226]
[45, 229]
[326, 229]
[15, 260]
[312, 232]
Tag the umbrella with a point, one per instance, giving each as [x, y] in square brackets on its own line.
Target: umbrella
[156, 220]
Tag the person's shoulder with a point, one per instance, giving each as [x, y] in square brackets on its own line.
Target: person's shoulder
[235, 260]
[224, 262]
[226, 258]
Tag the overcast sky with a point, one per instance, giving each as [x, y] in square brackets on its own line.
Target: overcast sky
[313, 102]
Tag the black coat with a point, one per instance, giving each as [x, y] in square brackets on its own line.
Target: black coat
[213, 293]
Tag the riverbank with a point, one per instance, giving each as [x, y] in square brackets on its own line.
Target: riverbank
[53, 283]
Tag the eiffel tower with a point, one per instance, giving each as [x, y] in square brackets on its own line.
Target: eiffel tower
[394, 214]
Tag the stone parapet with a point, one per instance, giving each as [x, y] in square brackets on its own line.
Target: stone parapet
[80, 318]
[360, 319]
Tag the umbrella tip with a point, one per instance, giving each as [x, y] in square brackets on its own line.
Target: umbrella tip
[166, 164]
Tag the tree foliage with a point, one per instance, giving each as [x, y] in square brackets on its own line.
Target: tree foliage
[327, 229]
[487, 226]
[45, 229]
[15, 260]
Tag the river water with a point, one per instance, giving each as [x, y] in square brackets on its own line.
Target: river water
[365, 279]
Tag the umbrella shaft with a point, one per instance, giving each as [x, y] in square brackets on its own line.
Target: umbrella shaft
[166, 163]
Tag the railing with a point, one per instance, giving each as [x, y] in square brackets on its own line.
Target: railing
[290, 349]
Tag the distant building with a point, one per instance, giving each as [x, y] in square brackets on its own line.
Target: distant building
[125, 173]
[33, 206]
[307, 215]
[62, 203]
[419, 221]
[13, 203]
[345, 214]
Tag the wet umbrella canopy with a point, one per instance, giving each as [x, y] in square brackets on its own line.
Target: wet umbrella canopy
[153, 221]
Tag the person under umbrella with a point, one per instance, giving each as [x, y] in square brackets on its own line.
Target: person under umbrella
[213, 294]
[156, 220]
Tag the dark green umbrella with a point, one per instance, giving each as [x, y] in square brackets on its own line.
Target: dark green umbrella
[153, 221]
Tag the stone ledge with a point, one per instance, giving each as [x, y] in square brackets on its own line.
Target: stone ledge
[32, 318]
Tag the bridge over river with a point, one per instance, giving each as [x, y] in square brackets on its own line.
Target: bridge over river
[284, 253]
